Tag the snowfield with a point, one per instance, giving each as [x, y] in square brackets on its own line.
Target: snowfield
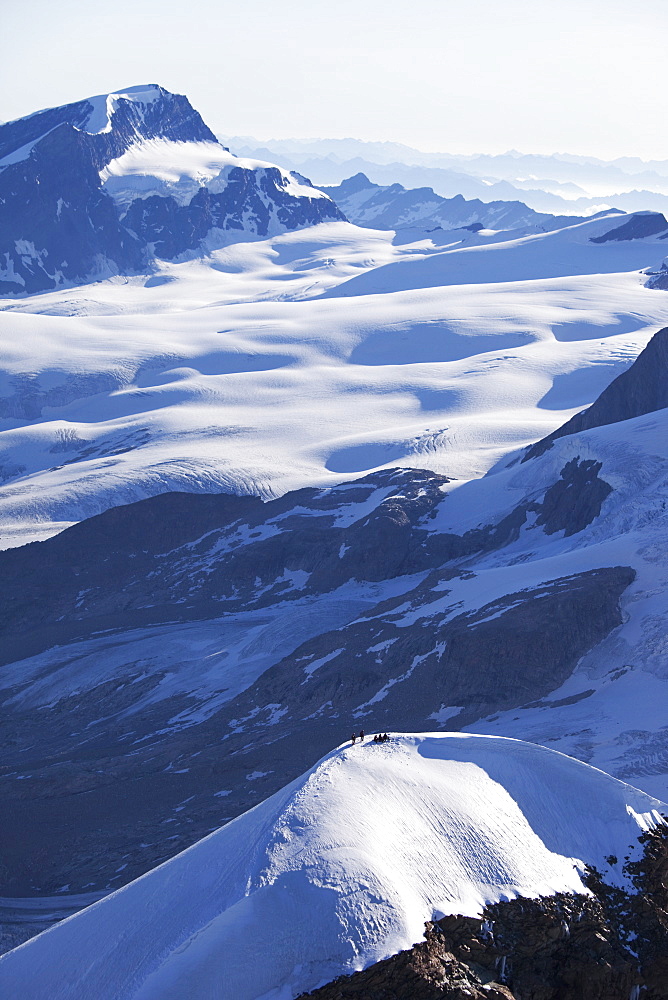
[340, 869]
[267, 365]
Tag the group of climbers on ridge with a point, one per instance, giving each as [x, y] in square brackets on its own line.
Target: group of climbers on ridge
[378, 738]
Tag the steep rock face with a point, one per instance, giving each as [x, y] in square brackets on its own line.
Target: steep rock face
[641, 389]
[61, 224]
[111, 123]
[574, 500]
[250, 201]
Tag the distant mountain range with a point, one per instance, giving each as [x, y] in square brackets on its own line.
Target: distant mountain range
[393, 207]
[559, 184]
[110, 184]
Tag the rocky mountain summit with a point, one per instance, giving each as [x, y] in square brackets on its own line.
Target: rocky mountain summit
[110, 183]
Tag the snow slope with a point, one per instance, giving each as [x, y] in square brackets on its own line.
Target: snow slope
[234, 372]
[338, 870]
[566, 251]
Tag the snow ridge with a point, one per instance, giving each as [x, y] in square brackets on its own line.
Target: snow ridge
[339, 870]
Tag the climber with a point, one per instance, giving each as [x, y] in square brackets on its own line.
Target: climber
[353, 738]
[361, 735]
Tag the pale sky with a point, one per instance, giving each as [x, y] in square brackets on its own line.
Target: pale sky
[578, 76]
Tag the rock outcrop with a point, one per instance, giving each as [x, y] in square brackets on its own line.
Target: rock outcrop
[640, 389]
[639, 226]
[610, 945]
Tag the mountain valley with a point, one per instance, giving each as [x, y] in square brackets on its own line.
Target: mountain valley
[280, 463]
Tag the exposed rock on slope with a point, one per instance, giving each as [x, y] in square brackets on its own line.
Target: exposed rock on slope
[643, 388]
[610, 945]
[640, 225]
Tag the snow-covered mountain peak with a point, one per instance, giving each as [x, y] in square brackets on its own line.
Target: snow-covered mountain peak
[112, 121]
[340, 869]
[84, 167]
[104, 106]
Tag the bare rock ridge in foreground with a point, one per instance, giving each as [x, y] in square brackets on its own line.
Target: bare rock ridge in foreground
[610, 945]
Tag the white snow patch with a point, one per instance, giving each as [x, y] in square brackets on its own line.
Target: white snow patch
[445, 713]
[311, 667]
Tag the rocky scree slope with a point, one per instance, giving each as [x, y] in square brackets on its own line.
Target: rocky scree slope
[108, 184]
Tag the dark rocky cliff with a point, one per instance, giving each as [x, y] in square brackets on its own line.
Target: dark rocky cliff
[637, 227]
